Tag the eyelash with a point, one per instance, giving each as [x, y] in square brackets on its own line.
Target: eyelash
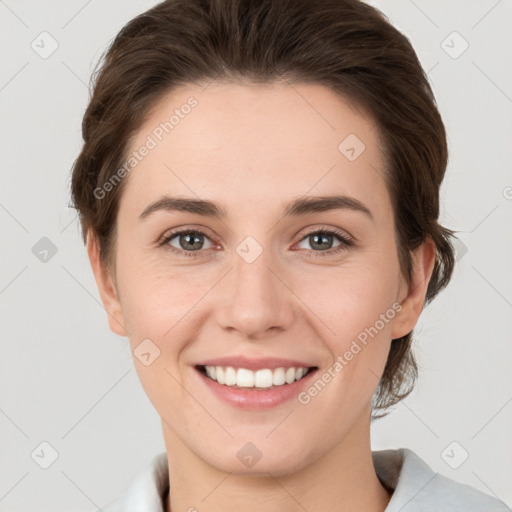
[345, 244]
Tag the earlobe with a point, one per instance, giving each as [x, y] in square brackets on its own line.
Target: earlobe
[423, 258]
[106, 287]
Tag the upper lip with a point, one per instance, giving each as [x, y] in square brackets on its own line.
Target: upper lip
[255, 363]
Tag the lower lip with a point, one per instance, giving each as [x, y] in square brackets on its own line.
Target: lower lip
[257, 399]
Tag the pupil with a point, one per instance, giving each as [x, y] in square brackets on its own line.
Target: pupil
[188, 238]
[323, 238]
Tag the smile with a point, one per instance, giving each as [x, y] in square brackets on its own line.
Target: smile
[264, 378]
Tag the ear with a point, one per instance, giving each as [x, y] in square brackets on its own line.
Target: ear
[106, 287]
[413, 296]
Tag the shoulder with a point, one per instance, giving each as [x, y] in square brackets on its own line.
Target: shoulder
[418, 488]
[147, 490]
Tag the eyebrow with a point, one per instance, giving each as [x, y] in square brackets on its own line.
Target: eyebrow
[301, 206]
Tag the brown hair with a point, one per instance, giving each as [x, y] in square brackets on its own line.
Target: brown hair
[345, 45]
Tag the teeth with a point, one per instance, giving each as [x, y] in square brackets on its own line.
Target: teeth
[278, 377]
[244, 378]
[290, 375]
[264, 378]
[230, 378]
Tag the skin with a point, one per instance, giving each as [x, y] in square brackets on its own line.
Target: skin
[252, 149]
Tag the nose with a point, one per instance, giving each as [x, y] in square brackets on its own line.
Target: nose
[254, 298]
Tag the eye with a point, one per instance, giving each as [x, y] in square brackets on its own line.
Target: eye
[187, 241]
[322, 240]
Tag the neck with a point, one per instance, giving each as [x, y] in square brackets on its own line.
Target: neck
[343, 479]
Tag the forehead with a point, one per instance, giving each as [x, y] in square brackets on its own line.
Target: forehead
[255, 143]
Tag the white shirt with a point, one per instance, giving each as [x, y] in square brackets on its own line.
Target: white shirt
[416, 488]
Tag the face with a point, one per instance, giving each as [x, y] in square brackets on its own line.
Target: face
[252, 282]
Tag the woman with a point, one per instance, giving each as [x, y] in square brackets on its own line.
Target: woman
[259, 195]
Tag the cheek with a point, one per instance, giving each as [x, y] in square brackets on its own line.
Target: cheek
[360, 309]
[354, 310]
[351, 298]
[146, 304]
[162, 304]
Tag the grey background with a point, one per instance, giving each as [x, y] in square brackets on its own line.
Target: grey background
[68, 381]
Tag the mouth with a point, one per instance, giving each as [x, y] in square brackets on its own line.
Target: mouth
[263, 379]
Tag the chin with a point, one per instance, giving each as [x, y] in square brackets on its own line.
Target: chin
[248, 460]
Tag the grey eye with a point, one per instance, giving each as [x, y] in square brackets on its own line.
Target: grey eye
[320, 241]
[189, 241]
